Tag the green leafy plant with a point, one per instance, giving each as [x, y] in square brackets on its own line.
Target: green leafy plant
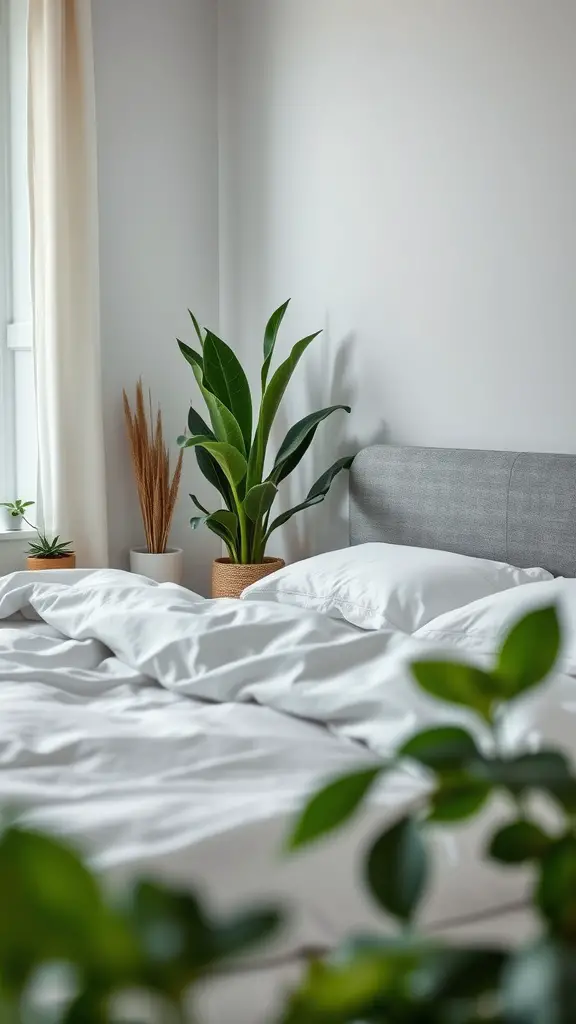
[46, 548]
[164, 942]
[231, 453]
[409, 977]
[55, 911]
[17, 509]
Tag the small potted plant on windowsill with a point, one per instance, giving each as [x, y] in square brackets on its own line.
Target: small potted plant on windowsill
[43, 553]
[13, 514]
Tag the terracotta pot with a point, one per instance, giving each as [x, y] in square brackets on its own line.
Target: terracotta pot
[67, 562]
[229, 579]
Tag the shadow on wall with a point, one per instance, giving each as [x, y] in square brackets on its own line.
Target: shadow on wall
[327, 380]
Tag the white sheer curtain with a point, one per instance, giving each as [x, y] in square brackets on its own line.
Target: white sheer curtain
[64, 239]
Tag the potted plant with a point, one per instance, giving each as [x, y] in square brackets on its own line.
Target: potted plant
[157, 492]
[49, 554]
[43, 553]
[14, 513]
[231, 453]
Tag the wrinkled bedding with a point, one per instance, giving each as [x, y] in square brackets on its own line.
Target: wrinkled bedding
[170, 735]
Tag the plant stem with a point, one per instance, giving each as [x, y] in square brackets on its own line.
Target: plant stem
[244, 552]
[257, 552]
[497, 731]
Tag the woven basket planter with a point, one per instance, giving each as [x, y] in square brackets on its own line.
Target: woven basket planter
[229, 579]
[67, 562]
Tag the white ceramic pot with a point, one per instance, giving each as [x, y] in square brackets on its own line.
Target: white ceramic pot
[9, 522]
[166, 568]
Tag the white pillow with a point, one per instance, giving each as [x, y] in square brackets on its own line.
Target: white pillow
[388, 585]
[481, 626]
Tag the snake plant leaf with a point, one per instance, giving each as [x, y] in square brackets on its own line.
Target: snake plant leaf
[206, 464]
[225, 525]
[225, 378]
[194, 359]
[213, 474]
[270, 404]
[324, 482]
[197, 328]
[298, 440]
[259, 500]
[224, 424]
[270, 335]
[316, 494]
[196, 425]
[227, 520]
[230, 460]
[199, 506]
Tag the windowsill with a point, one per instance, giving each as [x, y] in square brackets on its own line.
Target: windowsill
[16, 535]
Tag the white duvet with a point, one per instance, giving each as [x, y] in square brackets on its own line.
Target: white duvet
[175, 736]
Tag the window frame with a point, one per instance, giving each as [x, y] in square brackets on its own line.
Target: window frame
[15, 323]
[7, 379]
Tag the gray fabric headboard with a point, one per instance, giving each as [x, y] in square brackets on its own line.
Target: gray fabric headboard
[513, 507]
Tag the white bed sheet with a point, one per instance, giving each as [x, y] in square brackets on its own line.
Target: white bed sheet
[129, 723]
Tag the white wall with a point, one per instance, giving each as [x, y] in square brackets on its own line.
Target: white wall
[156, 95]
[407, 171]
[13, 552]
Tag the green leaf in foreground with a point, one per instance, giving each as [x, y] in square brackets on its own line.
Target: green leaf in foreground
[547, 770]
[336, 993]
[458, 798]
[332, 806]
[442, 749]
[458, 684]
[556, 893]
[397, 869]
[530, 651]
[460, 973]
[245, 930]
[518, 843]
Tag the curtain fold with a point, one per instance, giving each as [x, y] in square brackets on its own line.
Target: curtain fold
[65, 286]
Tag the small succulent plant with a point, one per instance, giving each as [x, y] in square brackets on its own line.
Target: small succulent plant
[45, 548]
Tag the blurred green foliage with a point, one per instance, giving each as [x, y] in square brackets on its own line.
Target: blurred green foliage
[54, 911]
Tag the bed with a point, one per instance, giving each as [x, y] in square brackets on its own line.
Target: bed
[172, 736]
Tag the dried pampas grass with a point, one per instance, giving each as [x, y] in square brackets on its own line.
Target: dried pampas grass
[151, 460]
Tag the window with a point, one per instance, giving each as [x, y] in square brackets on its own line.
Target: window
[17, 415]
